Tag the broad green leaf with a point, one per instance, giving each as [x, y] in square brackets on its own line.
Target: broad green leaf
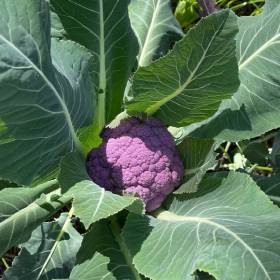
[50, 252]
[43, 101]
[254, 108]
[104, 255]
[271, 186]
[155, 28]
[188, 84]
[270, 5]
[198, 156]
[104, 28]
[17, 227]
[14, 199]
[91, 203]
[232, 232]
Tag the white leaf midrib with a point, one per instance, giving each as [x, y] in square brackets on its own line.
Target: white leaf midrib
[51, 86]
[150, 31]
[19, 215]
[102, 63]
[66, 224]
[171, 217]
[181, 88]
[255, 54]
[100, 200]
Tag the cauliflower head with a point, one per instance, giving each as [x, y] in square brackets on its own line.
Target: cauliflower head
[138, 157]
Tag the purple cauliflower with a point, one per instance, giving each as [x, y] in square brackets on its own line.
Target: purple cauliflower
[137, 157]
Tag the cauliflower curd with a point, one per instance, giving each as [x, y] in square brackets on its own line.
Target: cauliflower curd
[137, 157]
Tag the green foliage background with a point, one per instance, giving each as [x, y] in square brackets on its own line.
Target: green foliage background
[213, 218]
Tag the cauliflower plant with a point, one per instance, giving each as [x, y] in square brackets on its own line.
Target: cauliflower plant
[137, 157]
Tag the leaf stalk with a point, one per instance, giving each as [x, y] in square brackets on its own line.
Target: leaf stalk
[119, 238]
[5, 263]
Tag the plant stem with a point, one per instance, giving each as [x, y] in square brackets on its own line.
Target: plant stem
[225, 151]
[5, 262]
[118, 236]
[100, 112]
[47, 187]
[239, 6]
[101, 109]
[265, 168]
[227, 146]
[239, 148]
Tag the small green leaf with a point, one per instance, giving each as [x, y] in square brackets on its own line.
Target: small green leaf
[187, 12]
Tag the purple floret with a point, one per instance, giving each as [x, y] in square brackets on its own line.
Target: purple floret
[137, 157]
